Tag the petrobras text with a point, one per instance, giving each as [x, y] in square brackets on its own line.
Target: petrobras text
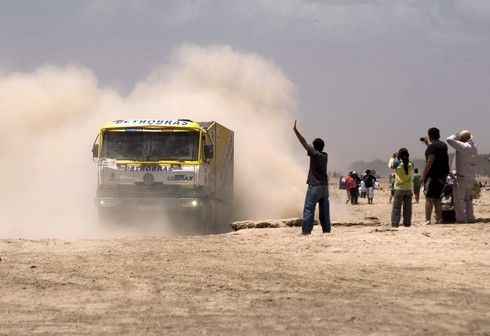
[147, 168]
[150, 122]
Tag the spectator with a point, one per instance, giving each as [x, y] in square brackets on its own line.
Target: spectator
[348, 182]
[391, 160]
[362, 189]
[464, 175]
[317, 185]
[435, 173]
[342, 183]
[369, 180]
[403, 189]
[358, 183]
[352, 188]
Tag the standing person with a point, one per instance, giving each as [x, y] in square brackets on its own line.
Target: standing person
[358, 180]
[317, 185]
[362, 189]
[392, 176]
[416, 184]
[369, 180]
[435, 173]
[392, 160]
[348, 182]
[465, 175]
[352, 188]
[403, 189]
[341, 183]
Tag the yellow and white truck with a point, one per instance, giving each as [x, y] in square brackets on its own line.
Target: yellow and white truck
[179, 167]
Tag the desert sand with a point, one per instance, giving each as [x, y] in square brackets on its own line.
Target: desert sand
[363, 279]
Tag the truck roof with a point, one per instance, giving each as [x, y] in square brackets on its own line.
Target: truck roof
[151, 123]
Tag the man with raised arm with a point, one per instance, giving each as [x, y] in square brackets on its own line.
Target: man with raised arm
[317, 185]
[464, 171]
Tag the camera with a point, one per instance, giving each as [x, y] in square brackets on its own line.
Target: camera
[422, 139]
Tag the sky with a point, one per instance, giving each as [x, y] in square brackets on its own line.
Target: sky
[367, 76]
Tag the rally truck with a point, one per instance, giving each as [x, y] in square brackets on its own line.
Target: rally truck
[181, 168]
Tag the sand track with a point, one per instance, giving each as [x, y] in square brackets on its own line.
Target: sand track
[359, 280]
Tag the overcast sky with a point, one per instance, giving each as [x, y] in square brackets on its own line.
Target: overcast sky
[370, 76]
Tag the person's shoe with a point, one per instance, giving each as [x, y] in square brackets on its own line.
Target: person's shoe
[305, 233]
[427, 222]
[394, 226]
[326, 231]
[471, 221]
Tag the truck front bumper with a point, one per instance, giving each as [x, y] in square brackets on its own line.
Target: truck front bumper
[147, 203]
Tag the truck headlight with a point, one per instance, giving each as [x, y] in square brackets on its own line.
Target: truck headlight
[189, 202]
[107, 202]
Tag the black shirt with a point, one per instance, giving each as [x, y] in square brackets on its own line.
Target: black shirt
[317, 175]
[369, 181]
[440, 166]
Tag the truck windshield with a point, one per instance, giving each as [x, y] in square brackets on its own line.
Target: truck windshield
[150, 146]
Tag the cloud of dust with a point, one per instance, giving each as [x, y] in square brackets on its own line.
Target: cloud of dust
[43, 149]
[51, 116]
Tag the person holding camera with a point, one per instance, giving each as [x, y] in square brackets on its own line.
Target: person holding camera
[435, 173]
[464, 175]
[403, 189]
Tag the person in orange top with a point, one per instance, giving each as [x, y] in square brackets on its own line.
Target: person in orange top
[351, 186]
[348, 182]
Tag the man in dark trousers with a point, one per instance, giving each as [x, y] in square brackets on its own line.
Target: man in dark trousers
[317, 185]
[435, 174]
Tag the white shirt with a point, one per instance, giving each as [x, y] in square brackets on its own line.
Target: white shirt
[466, 154]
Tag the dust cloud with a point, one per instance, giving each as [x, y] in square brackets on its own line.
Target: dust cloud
[50, 118]
[42, 151]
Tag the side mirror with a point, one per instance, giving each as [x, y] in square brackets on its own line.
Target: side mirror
[95, 151]
[208, 152]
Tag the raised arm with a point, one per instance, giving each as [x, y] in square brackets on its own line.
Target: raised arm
[454, 142]
[301, 138]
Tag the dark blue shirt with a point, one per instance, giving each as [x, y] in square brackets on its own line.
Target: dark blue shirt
[440, 166]
[317, 174]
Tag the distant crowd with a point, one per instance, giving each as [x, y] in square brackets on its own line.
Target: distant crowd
[359, 186]
[438, 180]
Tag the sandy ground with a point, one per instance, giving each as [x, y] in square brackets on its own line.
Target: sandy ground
[359, 280]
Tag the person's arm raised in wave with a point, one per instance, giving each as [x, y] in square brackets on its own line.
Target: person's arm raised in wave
[301, 138]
